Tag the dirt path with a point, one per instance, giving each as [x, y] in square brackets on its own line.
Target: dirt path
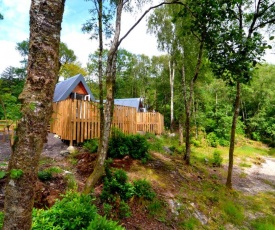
[257, 178]
[51, 149]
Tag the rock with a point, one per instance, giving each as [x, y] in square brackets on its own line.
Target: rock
[71, 149]
[65, 153]
[167, 150]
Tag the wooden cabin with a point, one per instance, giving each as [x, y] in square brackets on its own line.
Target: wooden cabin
[76, 113]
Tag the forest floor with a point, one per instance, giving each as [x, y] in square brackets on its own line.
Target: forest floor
[188, 197]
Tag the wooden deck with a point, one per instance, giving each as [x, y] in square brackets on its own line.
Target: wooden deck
[77, 120]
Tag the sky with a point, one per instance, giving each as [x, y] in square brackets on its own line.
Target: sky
[15, 28]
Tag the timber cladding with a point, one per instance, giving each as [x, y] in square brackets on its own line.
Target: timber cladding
[78, 120]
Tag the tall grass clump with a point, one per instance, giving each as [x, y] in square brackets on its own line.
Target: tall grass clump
[235, 213]
[264, 223]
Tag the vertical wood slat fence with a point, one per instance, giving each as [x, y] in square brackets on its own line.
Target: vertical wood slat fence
[77, 120]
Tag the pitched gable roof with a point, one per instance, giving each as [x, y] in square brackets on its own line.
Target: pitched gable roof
[130, 102]
[64, 88]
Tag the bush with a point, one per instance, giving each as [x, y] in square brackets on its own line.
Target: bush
[91, 145]
[100, 223]
[196, 143]
[124, 210]
[47, 174]
[217, 159]
[116, 186]
[118, 145]
[139, 146]
[74, 211]
[143, 189]
[121, 145]
[44, 175]
[212, 139]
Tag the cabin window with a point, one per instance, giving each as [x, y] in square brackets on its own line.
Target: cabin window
[77, 96]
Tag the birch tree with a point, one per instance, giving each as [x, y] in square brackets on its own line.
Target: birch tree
[110, 86]
[36, 98]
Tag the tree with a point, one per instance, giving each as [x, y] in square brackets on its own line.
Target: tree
[43, 66]
[110, 84]
[238, 45]
[160, 23]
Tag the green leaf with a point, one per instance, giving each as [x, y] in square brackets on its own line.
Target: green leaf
[271, 38]
[16, 173]
[2, 174]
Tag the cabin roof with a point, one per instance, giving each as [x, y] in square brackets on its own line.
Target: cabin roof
[64, 88]
[130, 102]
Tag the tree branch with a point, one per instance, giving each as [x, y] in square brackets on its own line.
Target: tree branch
[146, 12]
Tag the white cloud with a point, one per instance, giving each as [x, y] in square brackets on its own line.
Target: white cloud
[8, 55]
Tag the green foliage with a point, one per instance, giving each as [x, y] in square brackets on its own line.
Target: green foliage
[91, 145]
[100, 223]
[16, 173]
[264, 223]
[2, 174]
[121, 145]
[144, 189]
[48, 173]
[118, 145]
[234, 212]
[196, 143]
[1, 219]
[124, 210]
[107, 209]
[116, 186]
[217, 158]
[44, 175]
[156, 208]
[190, 224]
[71, 182]
[74, 211]
[212, 139]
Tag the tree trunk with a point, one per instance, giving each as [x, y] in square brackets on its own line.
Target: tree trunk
[37, 96]
[232, 137]
[188, 103]
[172, 77]
[109, 105]
[100, 68]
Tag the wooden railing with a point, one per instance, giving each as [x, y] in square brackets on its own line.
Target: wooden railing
[78, 121]
[150, 123]
[7, 129]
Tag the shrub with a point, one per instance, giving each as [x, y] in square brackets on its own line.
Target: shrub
[212, 139]
[91, 145]
[116, 186]
[107, 209]
[121, 145]
[196, 143]
[100, 223]
[139, 146]
[74, 211]
[143, 189]
[124, 210]
[47, 174]
[44, 175]
[118, 145]
[217, 159]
